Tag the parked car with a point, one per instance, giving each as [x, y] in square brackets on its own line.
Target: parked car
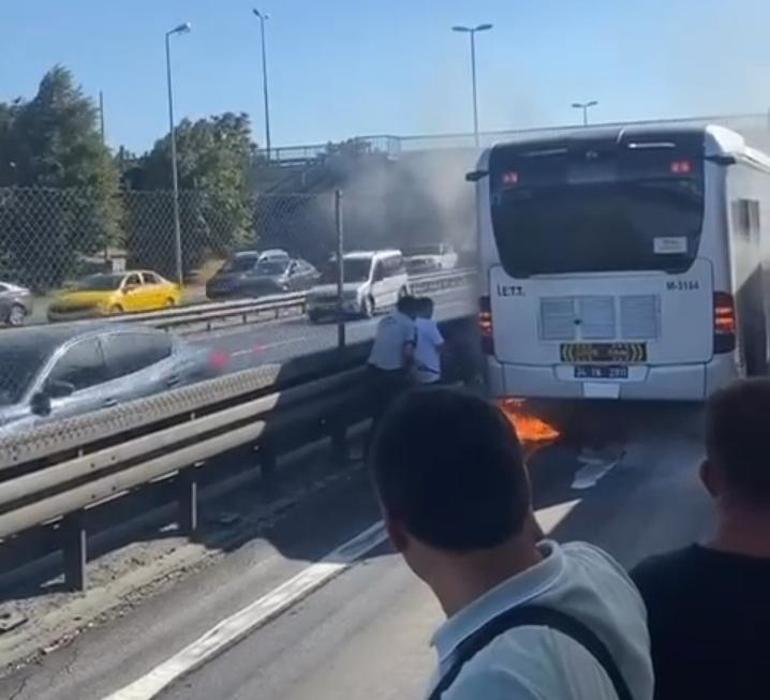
[268, 275]
[115, 293]
[15, 304]
[53, 372]
[431, 258]
[373, 281]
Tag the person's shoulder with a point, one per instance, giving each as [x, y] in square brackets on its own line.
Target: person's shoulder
[593, 556]
[661, 569]
[531, 662]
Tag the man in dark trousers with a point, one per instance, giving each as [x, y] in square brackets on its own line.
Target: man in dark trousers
[709, 604]
[527, 619]
[391, 358]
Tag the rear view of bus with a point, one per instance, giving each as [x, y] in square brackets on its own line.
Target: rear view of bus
[608, 265]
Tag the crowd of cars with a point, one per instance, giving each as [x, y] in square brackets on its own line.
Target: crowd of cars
[49, 372]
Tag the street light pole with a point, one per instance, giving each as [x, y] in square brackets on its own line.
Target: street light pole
[181, 29]
[262, 18]
[585, 106]
[472, 32]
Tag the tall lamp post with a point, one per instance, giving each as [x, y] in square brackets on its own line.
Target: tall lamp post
[181, 29]
[585, 106]
[263, 17]
[471, 31]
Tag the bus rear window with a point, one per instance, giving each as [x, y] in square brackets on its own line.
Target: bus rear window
[597, 210]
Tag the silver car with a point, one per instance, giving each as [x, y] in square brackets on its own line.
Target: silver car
[49, 373]
[15, 304]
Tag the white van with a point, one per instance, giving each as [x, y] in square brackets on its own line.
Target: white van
[374, 280]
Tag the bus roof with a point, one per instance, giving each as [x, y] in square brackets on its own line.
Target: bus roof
[718, 141]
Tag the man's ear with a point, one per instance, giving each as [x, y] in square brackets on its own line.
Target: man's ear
[711, 478]
[396, 532]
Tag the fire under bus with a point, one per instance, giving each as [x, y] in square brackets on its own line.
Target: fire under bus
[623, 263]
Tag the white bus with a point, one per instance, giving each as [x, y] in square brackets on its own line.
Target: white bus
[623, 263]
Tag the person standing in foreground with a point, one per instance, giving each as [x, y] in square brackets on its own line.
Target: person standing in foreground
[427, 353]
[391, 357]
[527, 620]
[709, 605]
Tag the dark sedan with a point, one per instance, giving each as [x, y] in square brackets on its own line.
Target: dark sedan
[15, 304]
[49, 373]
[264, 278]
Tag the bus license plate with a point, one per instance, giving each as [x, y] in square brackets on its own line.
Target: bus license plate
[626, 353]
[601, 372]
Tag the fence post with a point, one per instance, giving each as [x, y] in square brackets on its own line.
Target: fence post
[340, 268]
[187, 501]
[75, 550]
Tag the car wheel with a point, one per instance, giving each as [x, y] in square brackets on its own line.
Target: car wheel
[170, 303]
[16, 315]
[367, 307]
[117, 309]
[314, 316]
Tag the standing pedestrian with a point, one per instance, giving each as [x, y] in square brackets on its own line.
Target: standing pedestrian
[391, 358]
[430, 342]
[709, 604]
[527, 619]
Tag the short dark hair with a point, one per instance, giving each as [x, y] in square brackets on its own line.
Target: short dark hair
[737, 423]
[406, 304]
[425, 305]
[449, 466]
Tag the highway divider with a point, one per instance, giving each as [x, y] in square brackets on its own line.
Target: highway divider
[53, 474]
[271, 307]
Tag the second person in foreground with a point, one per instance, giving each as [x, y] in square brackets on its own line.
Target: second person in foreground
[526, 619]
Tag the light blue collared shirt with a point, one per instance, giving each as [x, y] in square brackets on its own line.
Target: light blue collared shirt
[533, 662]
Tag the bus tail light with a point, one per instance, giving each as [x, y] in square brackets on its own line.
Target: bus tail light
[724, 322]
[485, 326]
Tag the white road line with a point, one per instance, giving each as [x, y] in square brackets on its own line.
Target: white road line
[234, 628]
[237, 626]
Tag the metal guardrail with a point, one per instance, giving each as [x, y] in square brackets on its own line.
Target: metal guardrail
[53, 473]
[268, 308]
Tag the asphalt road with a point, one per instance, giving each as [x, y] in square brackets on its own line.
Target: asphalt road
[276, 341]
[365, 633]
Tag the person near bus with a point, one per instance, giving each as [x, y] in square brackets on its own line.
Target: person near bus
[392, 357]
[527, 618]
[430, 342]
[709, 604]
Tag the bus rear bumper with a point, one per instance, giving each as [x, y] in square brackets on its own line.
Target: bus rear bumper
[685, 382]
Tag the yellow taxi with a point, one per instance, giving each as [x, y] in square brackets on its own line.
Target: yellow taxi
[115, 293]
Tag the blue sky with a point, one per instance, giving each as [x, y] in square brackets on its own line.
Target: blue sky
[341, 68]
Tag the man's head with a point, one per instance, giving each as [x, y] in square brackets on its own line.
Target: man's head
[407, 305]
[450, 475]
[425, 307]
[737, 467]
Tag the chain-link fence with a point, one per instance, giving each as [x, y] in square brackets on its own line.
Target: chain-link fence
[51, 238]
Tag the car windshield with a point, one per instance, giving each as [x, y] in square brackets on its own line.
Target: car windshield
[356, 270]
[19, 363]
[99, 283]
[240, 263]
[433, 249]
[271, 267]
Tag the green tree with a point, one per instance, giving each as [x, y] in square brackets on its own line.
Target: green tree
[214, 156]
[64, 202]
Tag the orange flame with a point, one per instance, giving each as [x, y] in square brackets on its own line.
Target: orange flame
[532, 431]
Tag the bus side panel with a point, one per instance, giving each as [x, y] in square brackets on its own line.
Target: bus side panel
[747, 197]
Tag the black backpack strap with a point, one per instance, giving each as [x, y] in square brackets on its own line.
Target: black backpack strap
[540, 616]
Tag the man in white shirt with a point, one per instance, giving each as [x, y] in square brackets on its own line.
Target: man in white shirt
[527, 619]
[391, 358]
[427, 353]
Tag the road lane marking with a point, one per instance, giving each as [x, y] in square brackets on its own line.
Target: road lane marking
[234, 628]
[239, 625]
